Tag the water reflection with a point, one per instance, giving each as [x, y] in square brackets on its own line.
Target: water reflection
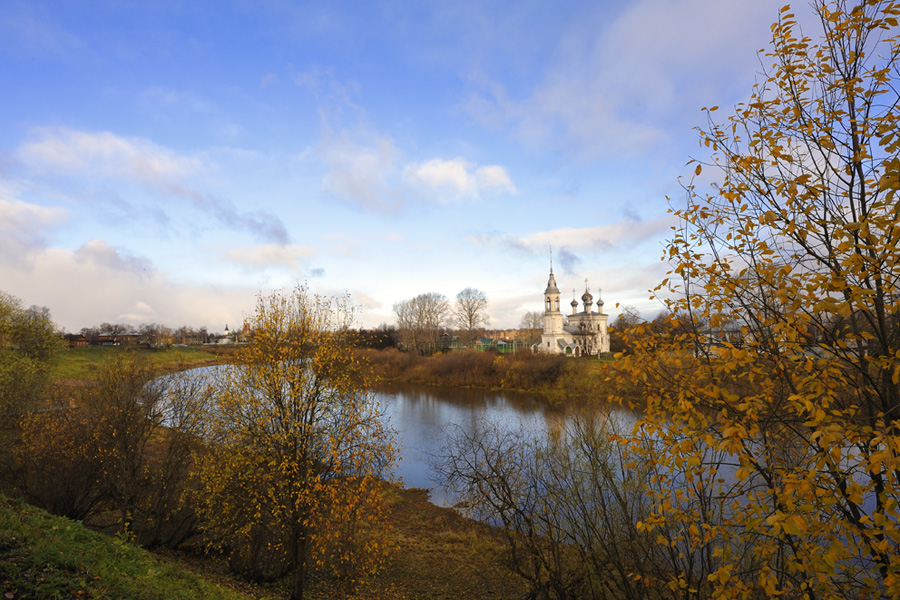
[421, 415]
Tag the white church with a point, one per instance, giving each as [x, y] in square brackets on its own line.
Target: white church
[578, 334]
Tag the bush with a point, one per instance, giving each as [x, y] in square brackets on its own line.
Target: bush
[532, 371]
[123, 443]
[521, 371]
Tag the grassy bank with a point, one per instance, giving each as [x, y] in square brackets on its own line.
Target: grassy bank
[553, 376]
[79, 363]
[42, 556]
[438, 555]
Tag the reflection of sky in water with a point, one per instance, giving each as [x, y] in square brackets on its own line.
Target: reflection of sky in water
[420, 416]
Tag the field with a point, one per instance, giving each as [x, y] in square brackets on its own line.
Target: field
[78, 363]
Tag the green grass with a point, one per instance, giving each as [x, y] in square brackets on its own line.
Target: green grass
[42, 556]
[78, 363]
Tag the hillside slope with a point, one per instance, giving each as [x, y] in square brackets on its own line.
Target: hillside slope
[42, 556]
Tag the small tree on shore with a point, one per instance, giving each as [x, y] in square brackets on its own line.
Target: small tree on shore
[298, 447]
[121, 442]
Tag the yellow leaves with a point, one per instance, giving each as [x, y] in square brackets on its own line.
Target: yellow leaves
[797, 250]
[721, 575]
[792, 524]
[304, 438]
[881, 460]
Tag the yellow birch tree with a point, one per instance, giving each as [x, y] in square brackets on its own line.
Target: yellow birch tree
[27, 346]
[783, 359]
[297, 446]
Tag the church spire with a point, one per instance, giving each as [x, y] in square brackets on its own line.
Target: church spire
[551, 294]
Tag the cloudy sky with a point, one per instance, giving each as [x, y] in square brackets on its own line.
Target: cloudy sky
[166, 162]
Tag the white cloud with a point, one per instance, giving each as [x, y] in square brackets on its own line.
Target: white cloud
[367, 171]
[116, 160]
[454, 179]
[95, 285]
[436, 173]
[21, 218]
[105, 155]
[494, 178]
[270, 255]
[140, 312]
[361, 172]
[101, 255]
[622, 233]
[23, 226]
[621, 82]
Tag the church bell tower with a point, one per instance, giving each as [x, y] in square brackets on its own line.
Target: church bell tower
[553, 317]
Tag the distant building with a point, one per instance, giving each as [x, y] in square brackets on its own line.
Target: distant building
[76, 340]
[121, 338]
[581, 333]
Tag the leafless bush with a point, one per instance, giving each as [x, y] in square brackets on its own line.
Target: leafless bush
[571, 506]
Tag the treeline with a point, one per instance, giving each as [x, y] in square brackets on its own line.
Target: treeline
[146, 334]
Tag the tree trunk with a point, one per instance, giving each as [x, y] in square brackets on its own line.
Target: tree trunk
[298, 558]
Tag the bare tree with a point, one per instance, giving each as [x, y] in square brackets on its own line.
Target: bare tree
[469, 312]
[533, 322]
[570, 507]
[421, 319]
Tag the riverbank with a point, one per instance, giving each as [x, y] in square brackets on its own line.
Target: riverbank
[554, 377]
[438, 554]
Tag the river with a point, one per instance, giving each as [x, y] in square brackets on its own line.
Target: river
[421, 415]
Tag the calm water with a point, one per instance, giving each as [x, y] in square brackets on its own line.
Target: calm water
[421, 416]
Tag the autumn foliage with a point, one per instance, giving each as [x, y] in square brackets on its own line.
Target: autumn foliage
[297, 450]
[772, 411]
[122, 445]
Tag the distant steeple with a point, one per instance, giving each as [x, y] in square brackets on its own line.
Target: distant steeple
[551, 294]
[551, 285]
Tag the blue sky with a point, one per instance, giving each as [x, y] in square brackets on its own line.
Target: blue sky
[166, 162]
